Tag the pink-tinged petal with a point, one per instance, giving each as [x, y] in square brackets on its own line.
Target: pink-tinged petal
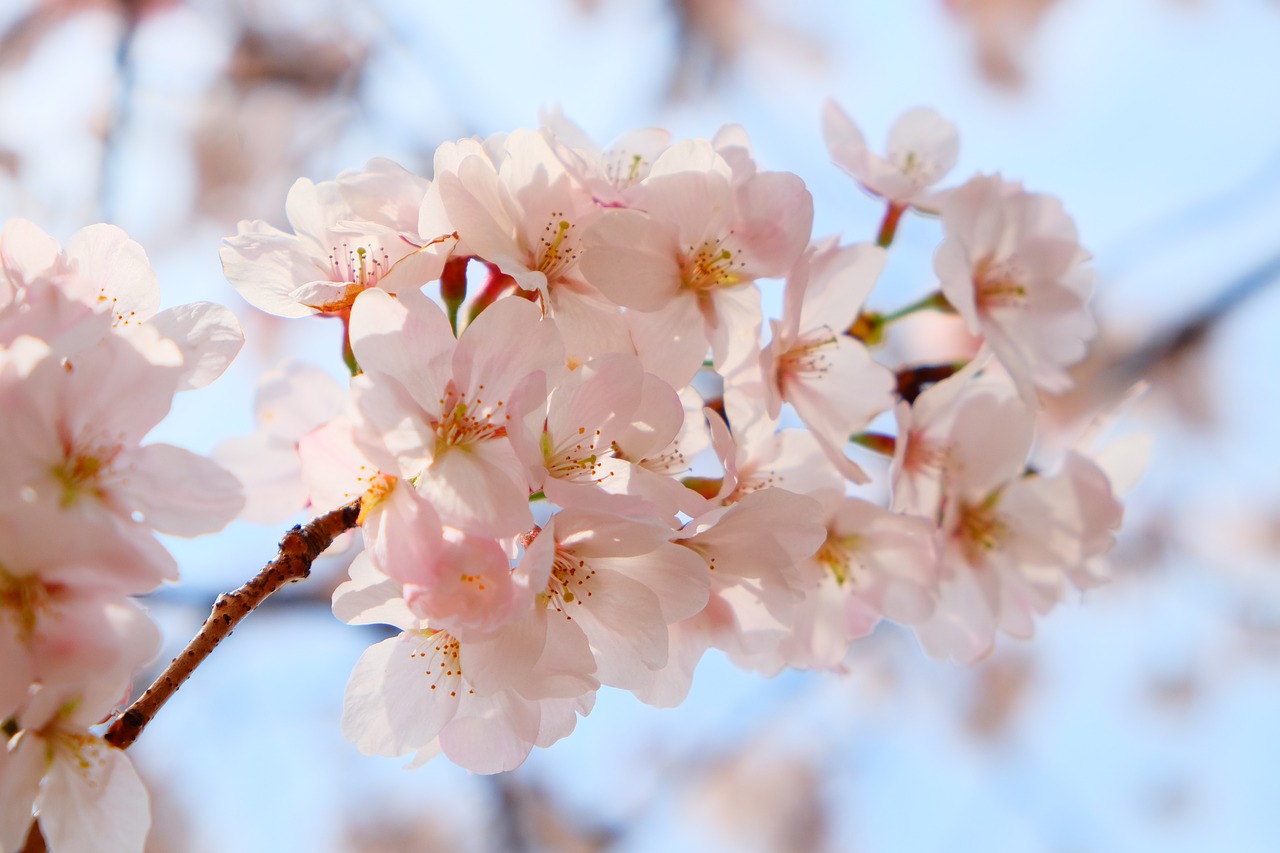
[594, 403]
[619, 495]
[989, 443]
[390, 428]
[660, 419]
[179, 492]
[845, 142]
[963, 627]
[479, 489]
[114, 273]
[672, 342]
[764, 535]
[471, 197]
[401, 693]
[623, 621]
[506, 661]
[265, 265]
[370, 597]
[18, 672]
[468, 590]
[25, 252]
[591, 534]
[567, 667]
[774, 221]
[334, 471]
[21, 767]
[688, 641]
[93, 801]
[589, 325]
[80, 398]
[209, 336]
[691, 156]
[696, 206]
[560, 717]
[676, 575]
[924, 145]
[294, 398]
[509, 341]
[406, 338]
[735, 336]
[404, 536]
[840, 396]
[384, 191]
[419, 266]
[90, 638]
[329, 296]
[840, 279]
[491, 734]
[632, 259]
[955, 274]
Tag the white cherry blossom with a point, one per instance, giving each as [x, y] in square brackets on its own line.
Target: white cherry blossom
[1012, 265]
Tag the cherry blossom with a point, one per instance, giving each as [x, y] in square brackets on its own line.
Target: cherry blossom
[922, 149]
[87, 793]
[1012, 265]
[346, 239]
[828, 376]
[436, 411]
[687, 265]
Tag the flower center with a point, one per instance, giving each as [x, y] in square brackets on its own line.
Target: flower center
[980, 530]
[807, 357]
[839, 555]
[711, 265]
[998, 285]
[79, 473]
[570, 580]
[25, 598]
[360, 265]
[464, 422]
[442, 656]
[576, 459]
[554, 253]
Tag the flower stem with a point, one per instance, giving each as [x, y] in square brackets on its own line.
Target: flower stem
[889, 226]
[298, 550]
[348, 354]
[877, 442]
[869, 326]
[933, 302]
[913, 380]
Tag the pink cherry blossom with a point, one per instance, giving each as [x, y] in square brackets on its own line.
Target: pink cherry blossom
[436, 411]
[346, 239]
[87, 794]
[922, 149]
[291, 401]
[828, 376]
[1012, 265]
[77, 447]
[687, 265]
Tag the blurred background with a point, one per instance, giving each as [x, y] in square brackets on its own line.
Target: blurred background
[1145, 716]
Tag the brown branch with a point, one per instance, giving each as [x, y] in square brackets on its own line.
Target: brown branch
[35, 842]
[912, 381]
[298, 550]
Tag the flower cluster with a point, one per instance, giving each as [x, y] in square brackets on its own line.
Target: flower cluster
[88, 366]
[584, 461]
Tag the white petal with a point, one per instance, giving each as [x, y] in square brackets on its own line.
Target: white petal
[94, 802]
[209, 336]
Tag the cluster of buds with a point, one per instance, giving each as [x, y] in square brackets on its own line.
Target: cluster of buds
[88, 366]
[583, 462]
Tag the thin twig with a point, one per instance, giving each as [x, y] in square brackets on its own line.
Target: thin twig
[298, 550]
